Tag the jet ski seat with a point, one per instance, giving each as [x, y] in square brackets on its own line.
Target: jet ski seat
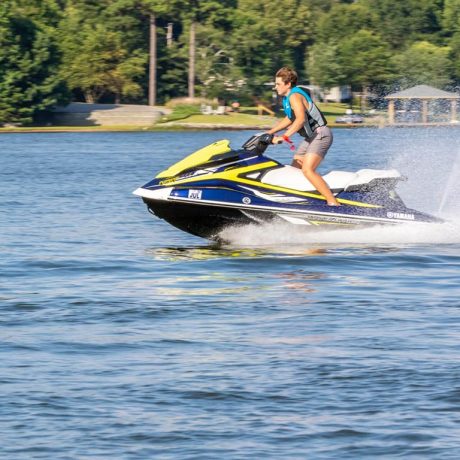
[338, 181]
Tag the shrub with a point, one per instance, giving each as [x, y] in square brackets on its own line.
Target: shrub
[181, 111]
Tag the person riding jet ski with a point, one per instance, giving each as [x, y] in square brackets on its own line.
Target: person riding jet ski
[304, 117]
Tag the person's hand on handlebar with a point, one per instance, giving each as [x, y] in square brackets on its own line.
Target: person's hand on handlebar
[284, 138]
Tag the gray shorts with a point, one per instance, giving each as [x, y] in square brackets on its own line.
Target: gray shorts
[319, 143]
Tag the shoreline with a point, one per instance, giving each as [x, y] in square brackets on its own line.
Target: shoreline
[172, 126]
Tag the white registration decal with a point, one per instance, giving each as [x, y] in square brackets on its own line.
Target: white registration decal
[195, 194]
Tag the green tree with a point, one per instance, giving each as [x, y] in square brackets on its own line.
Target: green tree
[96, 60]
[344, 20]
[364, 58]
[268, 35]
[202, 12]
[324, 66]
[29, 58]
[45, 13]
[360, 59]
[451, 17]
[173, 71]
[149, 12]
[103, 47]
[424, 63]
[217, 74]
[454, 45]
[328, 65]
[402, 22]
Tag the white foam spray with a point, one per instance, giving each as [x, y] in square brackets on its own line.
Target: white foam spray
[428, 157]
[450, 201]
[287, 234]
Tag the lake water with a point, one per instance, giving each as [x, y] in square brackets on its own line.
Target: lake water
[124, 338]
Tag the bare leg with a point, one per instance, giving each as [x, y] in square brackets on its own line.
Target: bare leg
[297, 162]
[309, 165]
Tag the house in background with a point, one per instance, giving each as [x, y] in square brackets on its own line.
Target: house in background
[335, 94]
[338, 94]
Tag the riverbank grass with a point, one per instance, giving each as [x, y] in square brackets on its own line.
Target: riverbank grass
[184, 117]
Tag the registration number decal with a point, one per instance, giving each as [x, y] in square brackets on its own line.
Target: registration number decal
[195, 194]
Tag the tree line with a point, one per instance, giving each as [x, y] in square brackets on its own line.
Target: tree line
[54, 51]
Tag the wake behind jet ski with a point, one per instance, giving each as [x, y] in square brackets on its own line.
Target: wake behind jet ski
[217, 187]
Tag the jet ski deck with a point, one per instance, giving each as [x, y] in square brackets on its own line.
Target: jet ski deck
[291, 177]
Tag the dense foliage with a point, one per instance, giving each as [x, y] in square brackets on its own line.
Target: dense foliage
[52, 51]
[29, 62]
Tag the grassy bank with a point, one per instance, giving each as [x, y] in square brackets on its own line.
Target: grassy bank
[60, 129]
[192, 120]
[244, 119]
[232, 120]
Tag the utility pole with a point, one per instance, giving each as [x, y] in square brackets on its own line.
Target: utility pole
[169, 35]
[191, 65]
[153, 61]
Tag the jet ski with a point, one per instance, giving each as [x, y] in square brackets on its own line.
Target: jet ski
[217, 187]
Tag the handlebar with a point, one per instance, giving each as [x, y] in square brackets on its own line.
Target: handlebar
[258, 143]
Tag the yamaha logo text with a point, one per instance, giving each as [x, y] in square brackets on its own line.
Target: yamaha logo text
[400, 215]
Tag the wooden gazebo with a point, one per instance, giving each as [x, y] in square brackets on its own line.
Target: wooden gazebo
[425, 94]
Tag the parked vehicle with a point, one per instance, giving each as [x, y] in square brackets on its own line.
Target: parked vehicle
[350, 119]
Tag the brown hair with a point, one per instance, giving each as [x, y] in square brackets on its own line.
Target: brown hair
[288, 75]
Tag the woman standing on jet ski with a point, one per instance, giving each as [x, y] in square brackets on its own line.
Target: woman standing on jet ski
[303, 117]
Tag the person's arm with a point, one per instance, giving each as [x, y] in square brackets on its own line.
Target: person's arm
[284, 123]
[297, 106]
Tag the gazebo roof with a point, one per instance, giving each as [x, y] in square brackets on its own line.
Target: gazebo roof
[423, 92]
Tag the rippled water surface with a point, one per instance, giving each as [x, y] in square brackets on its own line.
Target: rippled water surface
[122, 337]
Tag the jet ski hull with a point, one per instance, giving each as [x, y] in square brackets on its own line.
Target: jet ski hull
[209, 220]
[199, 220]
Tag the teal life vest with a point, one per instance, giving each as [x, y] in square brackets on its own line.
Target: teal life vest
[313, 116]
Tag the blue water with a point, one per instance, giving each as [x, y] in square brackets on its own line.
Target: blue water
[122, 337]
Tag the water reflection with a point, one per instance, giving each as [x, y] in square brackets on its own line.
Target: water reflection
[217, 251]
[300, 280]
[214, 251]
